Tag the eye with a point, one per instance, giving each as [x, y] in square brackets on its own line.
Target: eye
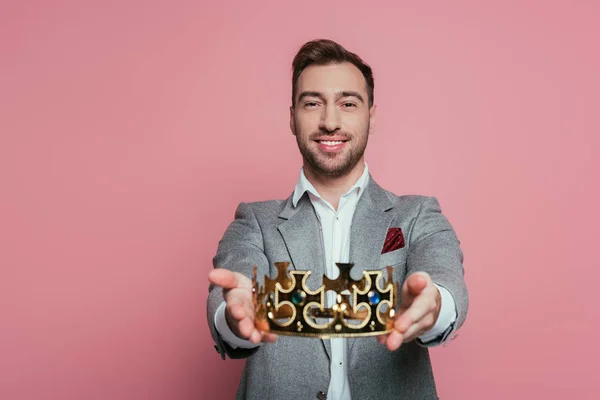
[310, 104]
[348, 105]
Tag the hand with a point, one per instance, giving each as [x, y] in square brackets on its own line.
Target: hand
[239, 309]
[419, 310]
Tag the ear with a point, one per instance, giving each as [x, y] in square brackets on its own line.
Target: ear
[372, 112]
[292, 123]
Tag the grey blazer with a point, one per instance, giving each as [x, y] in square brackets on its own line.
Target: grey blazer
[299, 368]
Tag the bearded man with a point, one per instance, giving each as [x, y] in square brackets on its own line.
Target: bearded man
[337, 213]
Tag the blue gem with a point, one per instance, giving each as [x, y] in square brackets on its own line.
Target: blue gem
[373, 298]
[298, 297]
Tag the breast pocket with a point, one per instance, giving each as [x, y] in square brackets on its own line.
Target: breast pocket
[395, 259]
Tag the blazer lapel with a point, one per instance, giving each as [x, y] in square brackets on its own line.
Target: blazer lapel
[301, 232]
[369, 228]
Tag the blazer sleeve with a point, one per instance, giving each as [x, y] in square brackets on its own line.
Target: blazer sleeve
[239, 250]
[434, 248]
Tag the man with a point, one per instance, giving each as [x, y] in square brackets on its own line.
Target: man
[337, 213]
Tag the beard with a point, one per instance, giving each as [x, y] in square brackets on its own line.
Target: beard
[332, 165]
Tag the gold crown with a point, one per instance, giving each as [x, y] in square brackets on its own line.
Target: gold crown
[285, 305]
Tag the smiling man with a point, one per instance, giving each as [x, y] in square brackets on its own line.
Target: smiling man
[338, 213]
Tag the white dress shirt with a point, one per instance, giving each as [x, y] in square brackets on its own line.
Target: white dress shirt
[335, 225]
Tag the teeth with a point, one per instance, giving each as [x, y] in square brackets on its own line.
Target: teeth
[331, 143]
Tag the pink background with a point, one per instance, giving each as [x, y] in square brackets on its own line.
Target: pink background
[130, 130]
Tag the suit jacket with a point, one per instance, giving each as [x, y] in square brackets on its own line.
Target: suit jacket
[298, 368]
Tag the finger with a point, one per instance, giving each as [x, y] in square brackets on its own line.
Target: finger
[237, 309]
[229, 279]
[268, 337]
[382, 338]
[414, 332]
[421, 306]
[256, 336]
[394, 340]
[419, 327]
[417, 282]
[246, 329]
[413, 286]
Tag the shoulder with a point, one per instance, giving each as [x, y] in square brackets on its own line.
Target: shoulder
[260, 209]
[410, 203]
[266, 206]
[421, 214]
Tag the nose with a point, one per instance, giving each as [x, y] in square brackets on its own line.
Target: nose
[330, 119]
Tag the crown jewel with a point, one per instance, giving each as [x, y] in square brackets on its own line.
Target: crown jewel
[286, 306]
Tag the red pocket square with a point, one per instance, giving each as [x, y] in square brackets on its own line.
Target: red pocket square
[394, 240]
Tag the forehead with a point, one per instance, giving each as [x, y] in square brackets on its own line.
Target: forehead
[332, 78]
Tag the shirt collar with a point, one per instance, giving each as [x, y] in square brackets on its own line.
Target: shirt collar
[303, 185]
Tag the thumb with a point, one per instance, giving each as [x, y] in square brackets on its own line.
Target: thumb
[413, 286]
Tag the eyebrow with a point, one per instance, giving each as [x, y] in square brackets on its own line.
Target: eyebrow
[338, 95]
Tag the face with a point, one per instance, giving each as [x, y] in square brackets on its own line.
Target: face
[331, 118]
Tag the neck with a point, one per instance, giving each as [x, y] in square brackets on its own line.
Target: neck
[332, 189]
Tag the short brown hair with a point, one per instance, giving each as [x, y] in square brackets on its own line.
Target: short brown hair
[324, 52]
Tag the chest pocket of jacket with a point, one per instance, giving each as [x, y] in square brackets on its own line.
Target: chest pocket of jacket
[393, 258]
[397, 260]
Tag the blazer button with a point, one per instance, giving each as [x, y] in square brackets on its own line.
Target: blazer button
[321, 396]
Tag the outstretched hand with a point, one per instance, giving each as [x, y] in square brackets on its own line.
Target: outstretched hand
[419, 309]
[239, 309]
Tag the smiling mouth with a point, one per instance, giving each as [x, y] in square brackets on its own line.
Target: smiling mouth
[331, 142]
[331, 146]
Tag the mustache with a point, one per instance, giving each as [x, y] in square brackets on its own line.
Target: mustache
[316, 135]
